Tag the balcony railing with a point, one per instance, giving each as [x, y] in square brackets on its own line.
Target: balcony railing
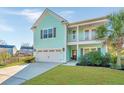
[69, 40]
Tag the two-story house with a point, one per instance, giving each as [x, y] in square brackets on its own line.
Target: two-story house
[57, 40]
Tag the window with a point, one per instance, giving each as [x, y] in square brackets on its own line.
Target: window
[45, 51]
[87, 35]
[93, 34]
[48, 33]
[99, 49]
[74, 35]
[54, 32]
[58, 50]
[93, 49]
[81, 51]
[51, 50]
[86, 50]
[45, 33]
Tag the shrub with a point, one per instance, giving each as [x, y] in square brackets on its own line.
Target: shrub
[30, 60]
[91, 59]
[107, 59]
[97, 59]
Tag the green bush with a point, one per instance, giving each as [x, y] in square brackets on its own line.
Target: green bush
[97, 59]
[30, 60]
[91, 59]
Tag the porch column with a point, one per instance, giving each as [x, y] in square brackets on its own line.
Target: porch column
[106, 46]
[77, 52]
[77, 42]
[77, 33]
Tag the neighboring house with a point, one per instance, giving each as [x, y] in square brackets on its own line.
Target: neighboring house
[57, 40]
[26, 50]
[11, 49]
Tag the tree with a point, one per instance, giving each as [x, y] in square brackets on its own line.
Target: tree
[113, 33]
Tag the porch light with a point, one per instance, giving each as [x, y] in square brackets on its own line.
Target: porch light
[63, 49]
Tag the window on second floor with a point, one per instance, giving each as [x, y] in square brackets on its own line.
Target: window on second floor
[54, 32]
[45, 33]
[86, 34]
[48, 33]
[93, 34]
[74, 34]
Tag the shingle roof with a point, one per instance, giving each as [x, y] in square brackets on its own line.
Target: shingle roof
[7, 46]
[26, 47]
[89, 20]
[47, 11]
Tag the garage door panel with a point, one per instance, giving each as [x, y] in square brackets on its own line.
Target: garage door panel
[50, 56]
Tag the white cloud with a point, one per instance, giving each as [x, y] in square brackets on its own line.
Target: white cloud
[6, 28]
[67, 14]
[30, 14]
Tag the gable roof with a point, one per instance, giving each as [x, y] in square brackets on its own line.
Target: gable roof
[50, 12]
[7, 46]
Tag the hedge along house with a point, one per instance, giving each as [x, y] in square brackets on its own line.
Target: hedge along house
[57, 40]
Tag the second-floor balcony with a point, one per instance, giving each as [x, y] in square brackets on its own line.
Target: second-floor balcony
[83, 36]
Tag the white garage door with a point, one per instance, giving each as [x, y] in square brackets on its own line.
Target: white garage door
[50, 56]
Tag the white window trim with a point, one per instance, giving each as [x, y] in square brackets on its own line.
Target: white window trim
[90, 48]
[47, 32]
[88, 34]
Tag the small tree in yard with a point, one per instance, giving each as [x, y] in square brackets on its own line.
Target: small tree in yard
[3, 57]
[113, 34]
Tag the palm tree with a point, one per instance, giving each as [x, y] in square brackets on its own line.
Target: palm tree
[113, 33]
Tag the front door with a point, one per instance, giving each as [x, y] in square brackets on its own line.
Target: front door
[74, 54]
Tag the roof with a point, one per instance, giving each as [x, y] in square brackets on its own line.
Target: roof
[89, 20]
[50, 12]
[7, 46]
[64, 20]
[26, 47]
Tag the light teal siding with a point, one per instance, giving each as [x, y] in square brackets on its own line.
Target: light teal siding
[50, 21]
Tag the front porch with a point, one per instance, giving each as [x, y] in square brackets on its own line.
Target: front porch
[74, 52]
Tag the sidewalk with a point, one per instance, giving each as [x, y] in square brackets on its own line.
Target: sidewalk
[7, 72]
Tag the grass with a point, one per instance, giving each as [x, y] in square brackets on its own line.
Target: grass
[20, 62]
[78, 75]
[13, 64]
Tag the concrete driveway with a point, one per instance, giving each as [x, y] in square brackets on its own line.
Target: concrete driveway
[32, 70]
[6, 73]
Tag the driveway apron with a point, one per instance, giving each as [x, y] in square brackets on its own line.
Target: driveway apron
[29, 72]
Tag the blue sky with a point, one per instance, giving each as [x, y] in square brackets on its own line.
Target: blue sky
[15, 23]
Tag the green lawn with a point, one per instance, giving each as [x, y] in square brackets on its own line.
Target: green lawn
[13, 64]
[78, 75]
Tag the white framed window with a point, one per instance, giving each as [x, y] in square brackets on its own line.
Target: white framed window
[93, 34]
[86, 34]
[51, 50]
[45, 33]
[87, 50]
[74, 35]
[48, 33]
